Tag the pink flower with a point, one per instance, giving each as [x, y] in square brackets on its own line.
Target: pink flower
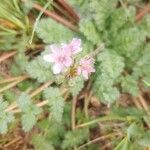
[60, 57]
[73, 47]
[86, 67]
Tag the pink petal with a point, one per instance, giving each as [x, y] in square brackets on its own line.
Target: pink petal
[66, 49]
[79, 70]
[68, 62]
[48, 58]
[57, 68]
[75, 44]
[85, 74]
[55, 49]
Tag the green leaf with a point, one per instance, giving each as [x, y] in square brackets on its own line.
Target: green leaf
[75, 137]
[89, 30]
[28, 121]
[56, 103]
[134, 131]
[145, 140]
[30, 111]
[110, 63]
[41, 143]
[5, 117]
[107, 71]
[130, 85]
[107, 95]
[76, 85]
[142, 66]
[50, 31]
[101, 10]
[126, 42]
[40, 70]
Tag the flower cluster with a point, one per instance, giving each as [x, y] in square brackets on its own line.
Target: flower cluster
[62, 58]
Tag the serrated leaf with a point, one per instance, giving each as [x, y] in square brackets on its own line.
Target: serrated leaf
[28, 121]
[107, 72]
[101, 10]
[30, 111]
[107, 95]
[111, 63]
[142, 66]
[41, 143]
[76, 85]
[40, 70]
[89, 30]
[56, 103]
[74, 138]
[50, 31]
[5, 117]
[130, 85]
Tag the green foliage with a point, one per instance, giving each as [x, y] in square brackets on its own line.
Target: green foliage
[50, 31]
[41, 143]
[75, 137]
[30, 111]
[130, 85]
[54, 131]
[142, 67]
[5, 117]
[124, 145]
[18, 67]
[127, 43]
[76, 85]
[56, 103]
[120, 67]
[101, 10]
[87, 27]
[40, 70]
[14, 25]
[144, 141]
[107, 71]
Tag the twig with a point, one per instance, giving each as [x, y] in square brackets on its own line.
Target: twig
[56, 17]
[12, 142]
[40, 89]
[106, 146]
[7, 55]
[73, 112]
[144, 104]
[69, 9]
[73, 116]
[40, 104]
[96, 140]
[136, 103]
[37, 91]
[11, 79]
[142, 13]
[64, 12]
[12, 84]
[14, 109]
[86, 103]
